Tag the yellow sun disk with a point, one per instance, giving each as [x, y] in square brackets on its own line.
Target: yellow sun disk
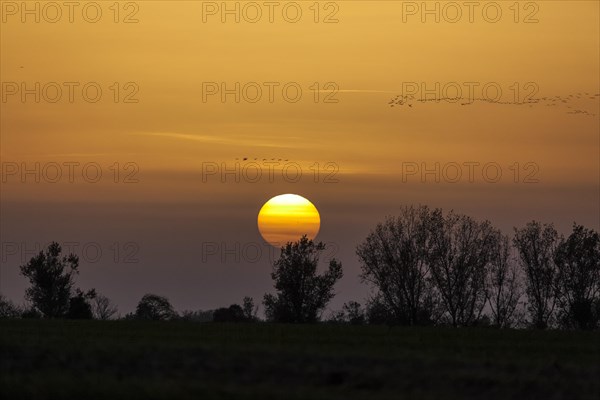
[286, 218]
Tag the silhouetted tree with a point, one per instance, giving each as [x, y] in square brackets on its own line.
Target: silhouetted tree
[8, 309]
[536, 244]
[154, 307]
[459, 260]
[301, 293]
[354, 313]
[503, 282]
[250, 310]
[395, 259]
[79, 305]
[578, 277]
[233, 313]
[337, 317]
[378, 313]
[52, 278]
[102, 307]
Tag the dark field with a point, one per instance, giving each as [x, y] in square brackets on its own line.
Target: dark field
[173, 360]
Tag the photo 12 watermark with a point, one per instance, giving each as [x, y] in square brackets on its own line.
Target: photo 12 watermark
[253, 12]
[270, 92]
[452, 12]
[91, 252]
[69, 172]
[69, 92]
[469, 172]
[69, 12]
[269, 171]
[468, 92]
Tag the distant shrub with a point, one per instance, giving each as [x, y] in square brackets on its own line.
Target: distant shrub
[354, 312]
[378, 313]
[337, 317]
[154, 307]
[31, 313]
[8, 309]
[79, 305]
[233, 313]
[197, 316]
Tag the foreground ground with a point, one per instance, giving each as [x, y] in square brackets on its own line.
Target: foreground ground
[179, 360]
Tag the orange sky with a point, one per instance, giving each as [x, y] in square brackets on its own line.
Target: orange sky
[171, 202]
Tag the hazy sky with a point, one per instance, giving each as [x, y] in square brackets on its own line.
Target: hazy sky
[316, 94]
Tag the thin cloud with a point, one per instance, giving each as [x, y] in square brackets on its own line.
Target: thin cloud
[237, 141]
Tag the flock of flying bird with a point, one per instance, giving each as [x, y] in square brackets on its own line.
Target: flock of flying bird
[555, 101]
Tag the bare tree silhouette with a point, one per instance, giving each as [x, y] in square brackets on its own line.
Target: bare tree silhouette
[578, 277]
[536, 244]
[459, 265]
[103, 308]
[503, 286]
[395, 259]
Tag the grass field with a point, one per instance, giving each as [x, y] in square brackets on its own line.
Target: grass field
[183, 360]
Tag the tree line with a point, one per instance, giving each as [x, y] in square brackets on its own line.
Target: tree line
[428, 267]
[424, 266]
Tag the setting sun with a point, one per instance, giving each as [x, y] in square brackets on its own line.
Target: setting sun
[285, 218]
